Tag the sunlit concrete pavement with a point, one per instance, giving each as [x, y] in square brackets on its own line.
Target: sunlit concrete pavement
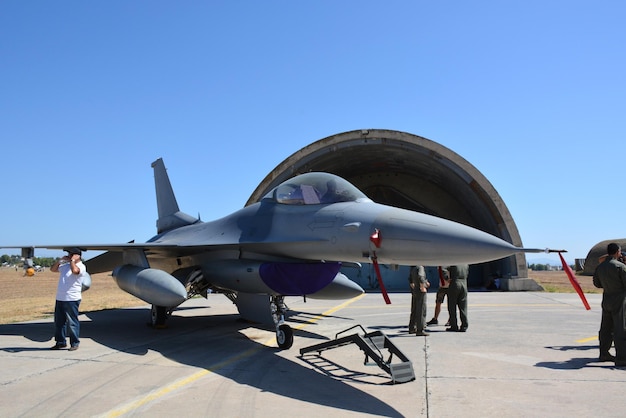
[524, 354]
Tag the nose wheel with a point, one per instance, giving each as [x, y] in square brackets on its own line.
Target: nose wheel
[284, 336]
[284, 333]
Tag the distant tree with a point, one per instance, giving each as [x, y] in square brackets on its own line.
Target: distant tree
[539, 267]
[11, 259]
[44, 261]
[38, 261]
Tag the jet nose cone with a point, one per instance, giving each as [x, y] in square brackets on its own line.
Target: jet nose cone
[409, 237]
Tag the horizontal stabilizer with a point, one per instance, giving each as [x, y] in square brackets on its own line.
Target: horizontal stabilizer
[173, 221]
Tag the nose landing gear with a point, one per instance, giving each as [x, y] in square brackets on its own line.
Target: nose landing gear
[284, 333]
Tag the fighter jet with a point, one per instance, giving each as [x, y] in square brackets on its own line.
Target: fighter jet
[293, 242]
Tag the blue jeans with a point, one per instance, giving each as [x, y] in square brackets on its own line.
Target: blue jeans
[66, 322]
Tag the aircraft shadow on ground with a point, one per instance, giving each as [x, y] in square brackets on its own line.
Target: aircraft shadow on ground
[207, 341]
[573, 363]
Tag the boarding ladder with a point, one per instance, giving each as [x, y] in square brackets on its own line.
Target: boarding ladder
[371, 344]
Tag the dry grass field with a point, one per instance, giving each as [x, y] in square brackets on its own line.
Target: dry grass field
[557, 281]
[26, 298]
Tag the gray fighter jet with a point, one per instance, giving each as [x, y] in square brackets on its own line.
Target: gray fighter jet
[291, 243]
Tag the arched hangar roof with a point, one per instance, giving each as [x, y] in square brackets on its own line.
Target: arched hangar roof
[411, 172]
[597, 251]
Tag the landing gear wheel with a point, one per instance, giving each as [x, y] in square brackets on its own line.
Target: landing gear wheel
[284, 337]
[158, 316]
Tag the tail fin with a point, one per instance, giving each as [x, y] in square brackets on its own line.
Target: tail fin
[170, 216]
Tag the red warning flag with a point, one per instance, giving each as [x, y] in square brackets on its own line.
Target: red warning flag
[379, 277]
[574, 282]
[376, 240]
[442, 280]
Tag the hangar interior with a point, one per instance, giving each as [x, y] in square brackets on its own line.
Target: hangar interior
[412, 172]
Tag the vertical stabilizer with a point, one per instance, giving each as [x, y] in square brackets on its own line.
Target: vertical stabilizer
[170, 216]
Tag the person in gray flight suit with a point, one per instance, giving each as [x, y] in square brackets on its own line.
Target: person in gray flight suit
[419, 286]
[457, 297]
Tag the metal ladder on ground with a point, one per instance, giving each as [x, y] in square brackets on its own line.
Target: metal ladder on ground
[371, 343]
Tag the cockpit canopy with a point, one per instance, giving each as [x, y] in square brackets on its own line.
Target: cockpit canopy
[315, 189]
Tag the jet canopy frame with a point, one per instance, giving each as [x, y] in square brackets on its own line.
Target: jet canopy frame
[315, 189]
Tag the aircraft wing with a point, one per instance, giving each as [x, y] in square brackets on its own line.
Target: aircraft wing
[113, 255]
[180, 248]
[152, 247]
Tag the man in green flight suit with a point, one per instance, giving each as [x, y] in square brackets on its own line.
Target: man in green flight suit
[457, 296]
[419, 286]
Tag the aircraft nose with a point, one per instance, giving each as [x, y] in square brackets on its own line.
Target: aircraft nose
[408, 238]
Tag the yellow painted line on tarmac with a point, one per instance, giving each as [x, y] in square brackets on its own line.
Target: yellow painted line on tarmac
[178, 384]
[586, 340]
[124, 409]
[329, 312]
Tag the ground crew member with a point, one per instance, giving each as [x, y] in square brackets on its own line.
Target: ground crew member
[457, 296]
[419, 286]
[610, 275]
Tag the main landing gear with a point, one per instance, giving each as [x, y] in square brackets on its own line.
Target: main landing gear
[284, 333]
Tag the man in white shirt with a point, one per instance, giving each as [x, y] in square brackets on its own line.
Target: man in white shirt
[69, 294]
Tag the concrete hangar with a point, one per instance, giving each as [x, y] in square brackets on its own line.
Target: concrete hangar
[412, 172]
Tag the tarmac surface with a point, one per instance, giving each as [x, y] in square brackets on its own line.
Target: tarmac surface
[524, 354]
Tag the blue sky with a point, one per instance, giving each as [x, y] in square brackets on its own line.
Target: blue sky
[529, 92]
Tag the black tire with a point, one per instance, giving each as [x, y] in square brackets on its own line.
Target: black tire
[284, 337]
[158, 316]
